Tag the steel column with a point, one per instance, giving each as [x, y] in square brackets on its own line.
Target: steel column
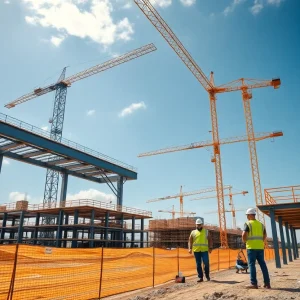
[121, 243]
[120, 191]
[74, 243]
[106, 228]
[282, 241]
[293, 242]
[133, 231]
[142, 233]
[1, 161]
[3, 224]
[287, 233]
[20, 229]
[66, 230]
[92, 229]
[36, 229]
[63, 191]
[297, 249]
[59, 228]
[275, 238]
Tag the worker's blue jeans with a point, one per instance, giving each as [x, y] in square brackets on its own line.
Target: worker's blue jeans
[253, 256]
[202, 257]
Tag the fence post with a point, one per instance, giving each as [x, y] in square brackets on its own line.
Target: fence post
[13, 275]
[218, 259]
[153, 266]
[101, 272]
[177, 260]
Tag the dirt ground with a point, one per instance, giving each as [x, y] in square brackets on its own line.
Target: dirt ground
[226, 284]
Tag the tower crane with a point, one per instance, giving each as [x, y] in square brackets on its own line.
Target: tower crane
[173, 212]
[208, 84]
[258, 137]
[57, 120]
[232, 208]
[185, 194]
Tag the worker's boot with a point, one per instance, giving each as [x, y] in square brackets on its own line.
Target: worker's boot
[267, 286]
[251, 286]
[200, 280]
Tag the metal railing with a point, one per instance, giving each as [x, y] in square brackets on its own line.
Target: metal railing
[46, 134]
[80, 202]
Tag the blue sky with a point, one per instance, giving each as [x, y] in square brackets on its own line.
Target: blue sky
[166, 105]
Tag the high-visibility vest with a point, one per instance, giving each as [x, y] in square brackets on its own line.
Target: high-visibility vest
[200, 241]
[255, 238]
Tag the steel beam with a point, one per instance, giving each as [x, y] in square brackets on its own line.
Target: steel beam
[142, 233]
[92, 229]
[282, 241]
[1, 161]
[133, 231]
[75, 234]
[2, 235]
[120, 191]
[20, 228]
[57, 148]
[275, 238]
[59, 169]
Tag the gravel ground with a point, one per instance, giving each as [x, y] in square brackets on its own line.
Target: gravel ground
[226, 284]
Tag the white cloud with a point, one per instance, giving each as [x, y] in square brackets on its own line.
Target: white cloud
[56, 40]
[67, 18]
[6, 2]
[161, 3]
[93, 195]
[257, 7]
[127, 5]
[132, 108]
[232, 6]
[16, 196]
[90, 112]
[188, 2]
[6, 161]
[44, 127]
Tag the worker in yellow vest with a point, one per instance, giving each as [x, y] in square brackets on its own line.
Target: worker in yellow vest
[254, 235]
[200, 242]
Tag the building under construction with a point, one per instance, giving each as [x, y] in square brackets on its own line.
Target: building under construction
[172, 233]
[79, 223]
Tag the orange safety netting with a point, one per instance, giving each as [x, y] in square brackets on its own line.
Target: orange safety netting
[36, 272]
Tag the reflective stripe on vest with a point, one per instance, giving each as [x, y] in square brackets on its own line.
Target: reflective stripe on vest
[200, 241]
[255, 238]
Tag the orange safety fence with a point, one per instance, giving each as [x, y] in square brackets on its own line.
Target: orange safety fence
[37, 272]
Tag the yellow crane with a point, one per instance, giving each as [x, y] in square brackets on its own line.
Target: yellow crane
[232, 208]
[185, 194]
[173, 212]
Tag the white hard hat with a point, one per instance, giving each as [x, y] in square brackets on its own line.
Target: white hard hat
[199, 221]
[251, 211]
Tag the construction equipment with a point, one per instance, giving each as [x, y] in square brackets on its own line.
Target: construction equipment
[258, 137]
[208, 84]
[185, 194]
[173, 212]
[245, 86]
[232, 208]
[57, 120]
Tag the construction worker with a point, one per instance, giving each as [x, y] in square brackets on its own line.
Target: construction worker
[254, 235]
[200, 242]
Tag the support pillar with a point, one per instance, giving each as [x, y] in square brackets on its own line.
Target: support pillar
[92, 229]
[21, 228]
[12, 234]
[1, 160]
[36, 228]
[106, 228]
[59, 228]
[74, 242]
[66, 230]
[132, 232]
[293, 242]
[275, 238]
[142, 233]
[282, 241]
[297, 249]
[289, 246]
[63, 191]
[2, 235]
[121, 243]
[120, 191]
